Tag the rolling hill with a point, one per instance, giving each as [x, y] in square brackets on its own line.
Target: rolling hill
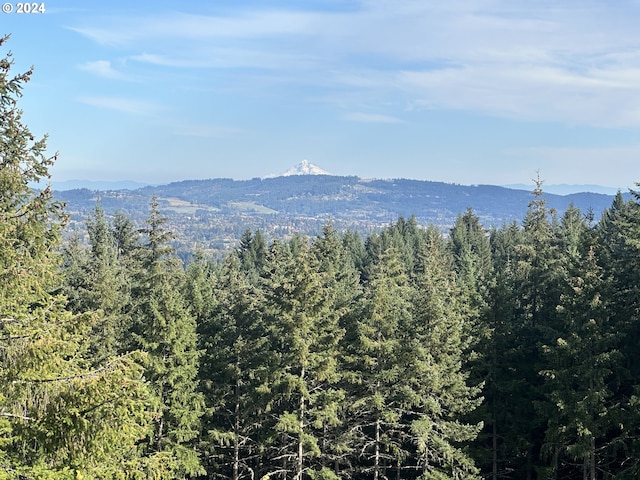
[212, 214]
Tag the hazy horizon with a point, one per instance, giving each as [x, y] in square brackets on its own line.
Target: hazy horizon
[71, 184]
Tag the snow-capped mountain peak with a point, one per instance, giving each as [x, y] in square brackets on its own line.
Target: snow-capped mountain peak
[305, 167]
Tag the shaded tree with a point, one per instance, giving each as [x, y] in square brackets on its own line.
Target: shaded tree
[305, 335]
[166, 330]
[58, 417]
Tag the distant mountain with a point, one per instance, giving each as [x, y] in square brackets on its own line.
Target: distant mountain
[565, 189]
[214, 213]
[305, 167]
[97, 185]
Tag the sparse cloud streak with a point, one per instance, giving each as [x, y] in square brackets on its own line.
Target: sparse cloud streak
[102, 68]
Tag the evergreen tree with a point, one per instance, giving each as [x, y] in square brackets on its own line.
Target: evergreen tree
[340, 280]
[581, 359]
[619, 251]
[471, 252]
[109, 282]
[539, 280]
[100, 279]
[201, 286]
[501, 445]
[166, 331]
[469, 245]
[58, 418]
[75, 263]
[305, 334]
[126, 237]
[405, 236]
[354, 245]
[235, 376]
[434, 348]
[374, 372]
[252, 253]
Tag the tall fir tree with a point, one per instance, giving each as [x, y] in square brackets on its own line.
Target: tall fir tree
[252, 252]
[501, 446]
[58, 418]
[581, 358]
[105, 288]
[235, 376]
[538, 280]
[341, 282]
[619, 251]
[305, 333]
[374, 373]
[166, 331]
[436, 345]
[469, 245]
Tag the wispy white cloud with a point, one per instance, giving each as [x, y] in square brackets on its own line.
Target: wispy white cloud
[371, 118]
[102, 68]
[606, 98]
[125, 105]
[176, 25]
[575, 62]
[220, 57]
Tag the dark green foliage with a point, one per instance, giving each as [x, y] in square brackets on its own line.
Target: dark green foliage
[338, 358]
[354, 246]
[581, 357]
[63, 413]
[200, 287]
[436, 345]
[619, 260]
[502, 441]
[340, 282]
[522, 292]
[469, 244]
[252, 253]
[166, 330]
[305, 335]
[100, 280]
[374, 368]
[235, 374]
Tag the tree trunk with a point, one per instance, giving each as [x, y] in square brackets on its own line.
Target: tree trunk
[494, 448]
[592, 460]
[592, 446]
[376, 464]
[585, 468]
[236, 429]
[300, 463]
[425, 463]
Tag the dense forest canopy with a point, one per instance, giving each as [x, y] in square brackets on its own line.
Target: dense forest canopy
[407, 354]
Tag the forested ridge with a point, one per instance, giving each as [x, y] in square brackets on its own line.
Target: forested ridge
[407, 354]
[215, 213]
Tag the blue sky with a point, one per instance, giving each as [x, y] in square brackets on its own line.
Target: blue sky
[463, 91]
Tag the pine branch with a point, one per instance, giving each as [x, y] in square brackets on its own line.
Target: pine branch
[93, 373]
[13, 415]
[14, 337]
